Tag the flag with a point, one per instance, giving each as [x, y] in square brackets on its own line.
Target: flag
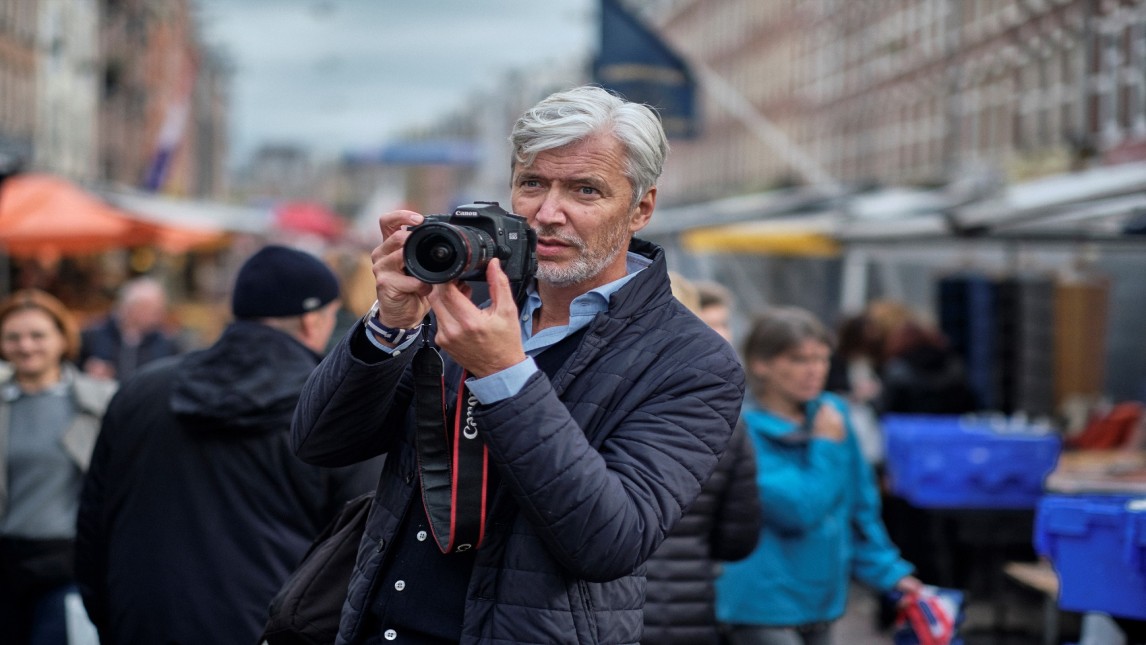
[173, 129]
[635, 63]
[167, 143]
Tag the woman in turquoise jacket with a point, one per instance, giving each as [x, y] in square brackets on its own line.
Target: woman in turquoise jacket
[819, 498]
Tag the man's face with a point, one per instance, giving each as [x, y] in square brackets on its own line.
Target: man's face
[579, 201]
[145, 313]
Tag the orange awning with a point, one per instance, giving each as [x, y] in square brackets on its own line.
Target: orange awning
[43, 215]
[46, 216]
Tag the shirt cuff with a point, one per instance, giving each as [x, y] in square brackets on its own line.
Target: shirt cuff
[499, 386]
[393, 351]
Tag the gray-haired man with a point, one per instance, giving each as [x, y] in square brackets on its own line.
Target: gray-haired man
[602, 402]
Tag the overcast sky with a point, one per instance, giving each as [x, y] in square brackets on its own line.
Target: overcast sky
[349, 74]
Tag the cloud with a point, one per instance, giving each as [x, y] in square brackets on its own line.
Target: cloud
[351, 73]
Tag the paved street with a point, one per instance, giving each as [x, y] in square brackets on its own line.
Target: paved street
[858, 627]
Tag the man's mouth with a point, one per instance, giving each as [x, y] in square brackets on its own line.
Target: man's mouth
[553, 245]
[551, 242]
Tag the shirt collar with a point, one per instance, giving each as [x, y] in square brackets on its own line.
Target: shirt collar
[591, 302]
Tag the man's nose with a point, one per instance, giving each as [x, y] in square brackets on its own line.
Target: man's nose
[551, 210]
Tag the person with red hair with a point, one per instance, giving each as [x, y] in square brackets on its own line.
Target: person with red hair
[50, 415]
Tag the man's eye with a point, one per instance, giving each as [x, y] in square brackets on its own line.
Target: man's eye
[587, 190]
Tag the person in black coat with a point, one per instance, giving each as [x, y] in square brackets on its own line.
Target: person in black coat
[195, 510]
[722, 525]
[132, 336]
[921, 374]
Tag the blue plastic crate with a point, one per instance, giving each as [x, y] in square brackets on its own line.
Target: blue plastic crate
[1098, 547]
[936, 461]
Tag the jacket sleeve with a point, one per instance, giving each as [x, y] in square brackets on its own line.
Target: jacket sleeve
[737, 522]
[91, 530]
[797, 494]
[601, 510]
[354, 404]
[876, 561]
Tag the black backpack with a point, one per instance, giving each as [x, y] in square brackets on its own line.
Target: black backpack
[306, 609]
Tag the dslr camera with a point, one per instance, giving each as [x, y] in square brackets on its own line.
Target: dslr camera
[444, 248]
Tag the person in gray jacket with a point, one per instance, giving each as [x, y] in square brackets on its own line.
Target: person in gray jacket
[602, 404]
[49, 418]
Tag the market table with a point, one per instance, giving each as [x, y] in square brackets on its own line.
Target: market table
[1098, 474]
[1099, 471]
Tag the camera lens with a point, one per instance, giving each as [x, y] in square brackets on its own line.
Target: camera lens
[435, 255]
[440, 254]
[437, 252]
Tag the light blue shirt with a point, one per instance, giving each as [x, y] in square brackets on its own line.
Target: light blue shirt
[508, 382]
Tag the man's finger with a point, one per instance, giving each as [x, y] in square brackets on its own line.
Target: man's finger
[500, 293]
[444, 316]
[392, 222]
[450, 295]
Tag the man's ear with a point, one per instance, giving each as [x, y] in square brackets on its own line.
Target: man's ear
[644, 210]
[309, 325]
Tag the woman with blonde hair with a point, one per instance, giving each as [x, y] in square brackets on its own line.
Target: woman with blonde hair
[50, 416]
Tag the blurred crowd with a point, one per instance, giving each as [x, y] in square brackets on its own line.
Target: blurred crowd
[796, 510]
[640, 469]
[228, 510]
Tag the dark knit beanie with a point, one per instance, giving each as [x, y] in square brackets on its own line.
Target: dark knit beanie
[279, 281]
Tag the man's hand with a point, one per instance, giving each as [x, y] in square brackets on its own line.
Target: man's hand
[99, 368]
[828, 423]
[483, 341]
[402, 299]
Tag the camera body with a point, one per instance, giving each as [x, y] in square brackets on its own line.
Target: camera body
[458, 246]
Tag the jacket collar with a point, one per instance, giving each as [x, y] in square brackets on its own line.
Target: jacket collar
[647, 289]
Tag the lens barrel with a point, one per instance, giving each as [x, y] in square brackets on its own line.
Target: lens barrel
[438, 252]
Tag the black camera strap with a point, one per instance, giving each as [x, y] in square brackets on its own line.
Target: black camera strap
[453, 461]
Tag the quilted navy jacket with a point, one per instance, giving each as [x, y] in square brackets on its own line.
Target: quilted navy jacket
[595, 466]
[722, 525]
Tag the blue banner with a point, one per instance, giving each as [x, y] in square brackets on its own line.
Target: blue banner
[448, 152]
[635, 63]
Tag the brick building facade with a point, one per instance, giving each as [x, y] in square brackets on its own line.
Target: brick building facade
[915, 92]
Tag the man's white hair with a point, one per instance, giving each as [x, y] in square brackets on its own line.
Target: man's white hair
[574, 115]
